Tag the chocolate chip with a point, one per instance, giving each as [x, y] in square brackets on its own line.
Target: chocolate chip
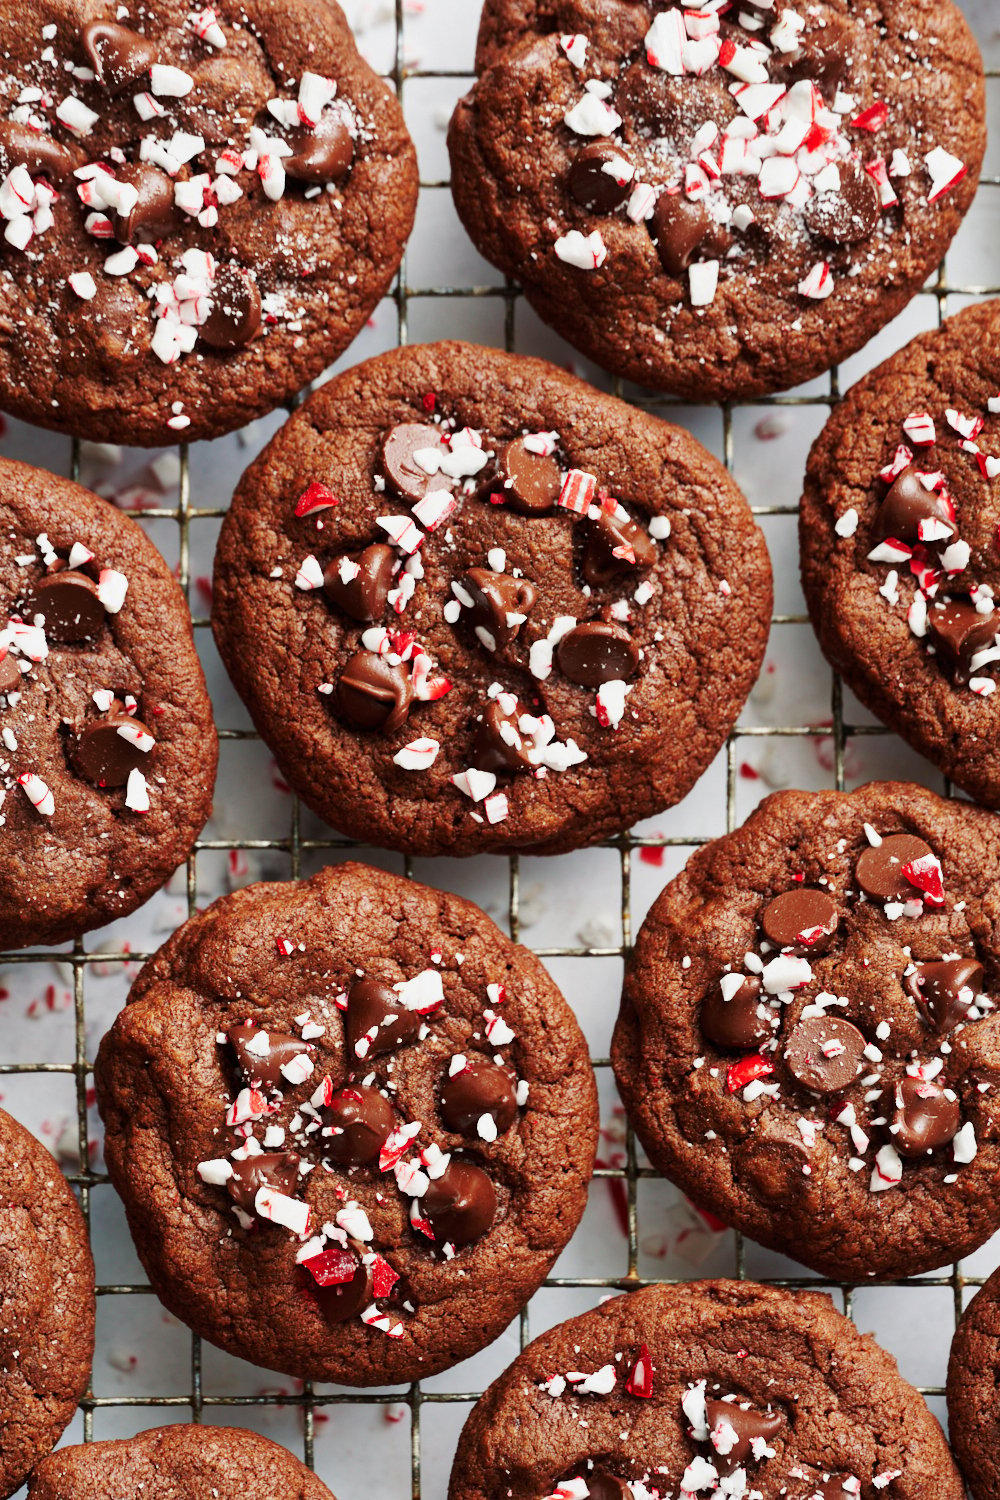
[106, 757]
[497, 597]
[596, 179]
[264, 1068]
[118, 56]
[277, 1170]
[499, 744]
[365, 596]
[747, 1423]
[906, 505]
[20, 146]
[945, 989]
[851, 213]
[321, 155]
[69, 602]
[481, 1088]
[341, 1283]
[680, 228]
[824, 55]
[402, 472]
[604, 1486]
[597, 652]
[234, 316]
[460, 1205]
[10, 673]
[734, 1025]
[802, 921]
[926, 1117]
[615, 547]
[374, 1006]
[155, 212]
[363, 1119]
[958, 631]
[824, 1053]
[373, 693]
[530, 483]
[879, 870]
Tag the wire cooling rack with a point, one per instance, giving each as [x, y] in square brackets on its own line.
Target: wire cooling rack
[843, 726]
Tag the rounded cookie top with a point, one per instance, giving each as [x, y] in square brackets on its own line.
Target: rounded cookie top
[972, 1385]
[473, 604]
[352, 1125]
[109, 749]
[188, 197]
[898, 532]
[809, 1039]
[719, 204]
[177, 1463]
[47, 1294]
[720, 1389]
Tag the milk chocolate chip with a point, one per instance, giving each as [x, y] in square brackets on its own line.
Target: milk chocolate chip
[801, 921]
[261, 1053]
[927, 1117]
[529, 483]
[733, 1449]
[481, 1088]
[907, 504]
[118, 56]
[680, 229]
[373, 693]
[107, 751]
[849, 214]
[501, 604]
[879, 870]
[363, 594]
[735, 1025]
[68, 600]
[234, 316]
[376, 1022]
[276, 1170]
[460, 1205]
[600, 176]
[321, 155]
[155, 214]
[825, 1054]
[615, 547]
[499, 744]
[397, 461]
[945, 989]
[597, 652]
[958, 632]
[361, 1120]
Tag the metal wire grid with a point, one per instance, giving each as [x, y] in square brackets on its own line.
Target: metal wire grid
[197, 1402]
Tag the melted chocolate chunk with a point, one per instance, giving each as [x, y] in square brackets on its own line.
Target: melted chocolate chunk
[374, 694]
[234, 316]
[10, 673]
[363, 1119]
[374, 1006]
[155, 213]
[325, 154]
[118, 56]
[276, 1170]
[529, 483]
[69, 602]
[602, 1485]
[499, 602]
[20, 146]
[944, 990]
[801, 921]
[460, 1205]
[106, 757]
[681, 228]
[825, 1054]
[597, 180]
[906, 505]
[264, 1068]
[849, 215]
[481, 1088]
[341, 1283]
[958, 631]
[745, 1422]
[927, 1117]
[499, 745]
[879, 871]
[597, 652]
[823, 56]
[734, 1025]
[365, 596]
[615, 547]
[402, 472]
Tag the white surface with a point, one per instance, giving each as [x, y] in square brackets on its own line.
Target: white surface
[567, 903]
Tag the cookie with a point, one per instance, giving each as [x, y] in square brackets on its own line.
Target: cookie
[719, 201]
[809, 1040]
[973, 1418]
[352, 1125]
[189, 200]
[47, 1295]
[717, 1389]
[109, 746]
[186, 1463]
[898, 532]
[473, 604]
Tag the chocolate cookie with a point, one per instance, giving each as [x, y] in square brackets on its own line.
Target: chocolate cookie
[973, 1373]
[109, 746]
[809, 1040]
[473, 605]
[718, 1389]
[186, 1463]
[202, 208]
[352, 1125]
[719, 201]
[47, 1297]
[899, 545]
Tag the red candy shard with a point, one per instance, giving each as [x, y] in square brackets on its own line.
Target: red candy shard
[727, 52]
[746, 1071]
[429, 402]
[640, 1382]
[316, 497]
[925, 874]
[872, 118]
[384, 1278]
[332, 1267]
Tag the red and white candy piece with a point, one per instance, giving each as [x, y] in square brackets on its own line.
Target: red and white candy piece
[112, 587]
[587, 252]
[946, 171]
[818, 283]
[291, 1213]
[919, 428]
[37, 793]
[418, 755]
[578, 491]
[309, 575]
